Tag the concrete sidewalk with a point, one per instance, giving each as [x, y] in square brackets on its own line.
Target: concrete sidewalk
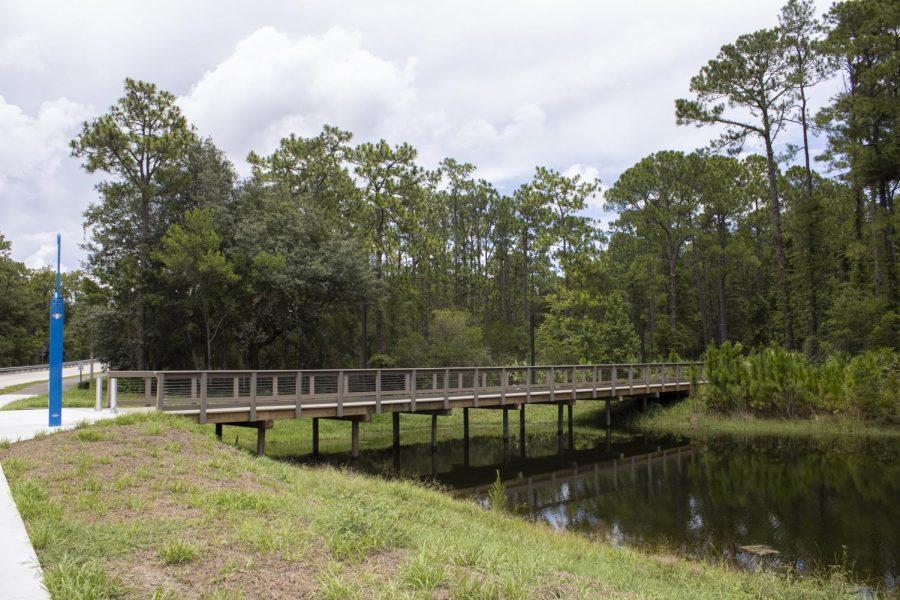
[18, 425]
[18, 378]
[20, 572]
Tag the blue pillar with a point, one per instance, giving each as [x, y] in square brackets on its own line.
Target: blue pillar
[57, 318]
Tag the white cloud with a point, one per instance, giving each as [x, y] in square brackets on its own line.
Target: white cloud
[21, 52]
[37, 189]
[273, 85]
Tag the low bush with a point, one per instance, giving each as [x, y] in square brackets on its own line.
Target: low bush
[772, 381]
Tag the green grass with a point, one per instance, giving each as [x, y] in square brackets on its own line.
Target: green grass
[72, 398]
[691, 418]
[266, 525]
[179, 552]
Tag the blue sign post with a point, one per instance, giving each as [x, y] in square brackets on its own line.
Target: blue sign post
[57, 318]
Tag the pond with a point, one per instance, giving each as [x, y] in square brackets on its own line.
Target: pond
[784, 503]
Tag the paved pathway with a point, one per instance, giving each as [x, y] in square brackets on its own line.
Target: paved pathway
[20, 572]
[19, 377]
[18, 425]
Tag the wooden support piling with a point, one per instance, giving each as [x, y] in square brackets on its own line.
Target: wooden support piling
[219, 431]
[608, 413]
[571, 431]
[434, 432]
[315, 438]
[505, 425]
[522, 424]
[354, 438]
[396, 423]
[260, 440]
[559, 421]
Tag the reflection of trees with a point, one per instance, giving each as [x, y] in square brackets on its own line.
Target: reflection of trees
[806, 500]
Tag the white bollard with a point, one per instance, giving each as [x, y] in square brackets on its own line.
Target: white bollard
[98, 387]
[113, 393]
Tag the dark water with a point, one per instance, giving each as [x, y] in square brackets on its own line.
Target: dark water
[783, 503]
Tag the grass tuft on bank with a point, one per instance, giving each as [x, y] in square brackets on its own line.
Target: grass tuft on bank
[152, 506]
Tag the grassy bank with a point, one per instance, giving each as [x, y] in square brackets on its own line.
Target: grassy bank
[72, 398]
[693, 419]
[149, 506]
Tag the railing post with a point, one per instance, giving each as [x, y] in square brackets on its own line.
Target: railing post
[446, 389]
[193, 387]
[298, 393]
[615, 377]
[274, 387]
[378, 391]
[412, 390]
[594, 382]
[253, 376]
[203, 382]
[235, 388]
[160, 390]
[98, 393]
[113, 393]
[574, 383]
[475, 388]
[647, 378]
[552, 382]
[312, 385]
[340, 394]
[503, 386]
[631, 379]
[434, 381]
[147, 391]
[678, 377]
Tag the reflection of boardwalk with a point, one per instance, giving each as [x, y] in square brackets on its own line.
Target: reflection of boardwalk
[547, 490]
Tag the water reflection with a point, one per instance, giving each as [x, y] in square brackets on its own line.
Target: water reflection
[782, 502]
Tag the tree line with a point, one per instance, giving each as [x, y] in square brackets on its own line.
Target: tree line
[335, 253]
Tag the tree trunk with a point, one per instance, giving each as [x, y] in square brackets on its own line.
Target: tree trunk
[722, 331]
[379, 259]
[812, 249]
[673, 284]
[778, 243]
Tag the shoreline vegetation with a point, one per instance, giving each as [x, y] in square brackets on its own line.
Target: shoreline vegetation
[691, 418]
[152, 506]
[772, 391]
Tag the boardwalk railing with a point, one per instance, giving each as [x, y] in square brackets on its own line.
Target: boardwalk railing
[352, 392]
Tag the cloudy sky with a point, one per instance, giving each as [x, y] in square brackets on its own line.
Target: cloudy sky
[583, 87]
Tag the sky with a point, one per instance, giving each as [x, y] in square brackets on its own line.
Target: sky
[582, 87]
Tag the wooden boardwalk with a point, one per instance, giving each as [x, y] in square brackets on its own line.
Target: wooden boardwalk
[255, 398]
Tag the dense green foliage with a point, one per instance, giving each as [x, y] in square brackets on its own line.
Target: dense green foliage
[774, 381]
[192, 266]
